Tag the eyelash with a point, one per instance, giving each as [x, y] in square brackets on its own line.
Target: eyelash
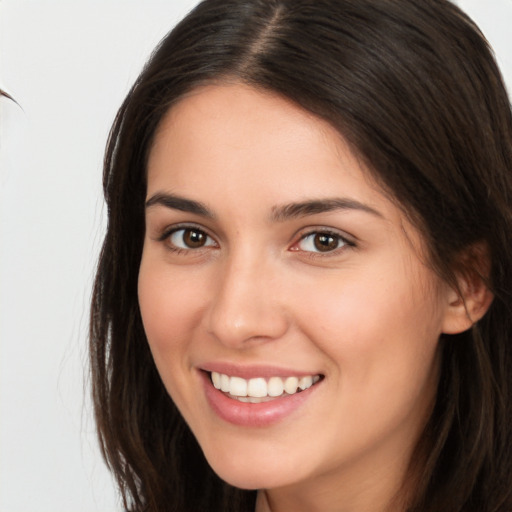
[168, 233]
[343, 242]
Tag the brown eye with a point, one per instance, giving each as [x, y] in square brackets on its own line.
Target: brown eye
[193, 238]
[321, 242]
[190, 238]
[325, 242]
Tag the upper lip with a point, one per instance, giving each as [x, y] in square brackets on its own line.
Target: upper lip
[253, 371]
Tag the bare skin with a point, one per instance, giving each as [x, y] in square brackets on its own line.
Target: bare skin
[268, 244]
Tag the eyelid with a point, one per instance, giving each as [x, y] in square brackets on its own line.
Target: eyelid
[168, 231]
[347, 240]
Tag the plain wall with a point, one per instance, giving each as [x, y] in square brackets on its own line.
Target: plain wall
[69, 64]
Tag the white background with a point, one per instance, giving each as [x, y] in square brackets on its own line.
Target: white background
[69, 64]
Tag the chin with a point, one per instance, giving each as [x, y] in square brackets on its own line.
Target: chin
[247, 473]
[251, 479]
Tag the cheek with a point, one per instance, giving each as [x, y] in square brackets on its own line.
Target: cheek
[380, 332]
[169, 310]
[382, 349]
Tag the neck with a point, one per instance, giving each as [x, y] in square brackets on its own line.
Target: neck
[272, 501]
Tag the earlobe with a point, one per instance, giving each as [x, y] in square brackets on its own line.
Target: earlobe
[469, 303]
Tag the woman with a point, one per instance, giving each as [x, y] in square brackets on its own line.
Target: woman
[303, 300]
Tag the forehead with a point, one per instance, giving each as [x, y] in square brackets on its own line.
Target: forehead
[244, 134]
[244, 152]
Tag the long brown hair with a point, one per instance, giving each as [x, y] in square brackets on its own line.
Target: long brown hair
[413, 87]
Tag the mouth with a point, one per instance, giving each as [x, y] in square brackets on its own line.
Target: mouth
[260, 390]
[259, 395]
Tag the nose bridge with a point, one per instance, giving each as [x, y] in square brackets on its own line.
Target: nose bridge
[245, 306]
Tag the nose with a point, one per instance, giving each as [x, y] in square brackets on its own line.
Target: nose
[246, 306]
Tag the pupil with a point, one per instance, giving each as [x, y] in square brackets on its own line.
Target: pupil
[193, 238]
[324, 242]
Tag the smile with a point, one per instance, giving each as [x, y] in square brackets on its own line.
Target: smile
[257, 396]
[258, 390]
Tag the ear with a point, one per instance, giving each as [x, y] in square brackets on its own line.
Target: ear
[469, 302]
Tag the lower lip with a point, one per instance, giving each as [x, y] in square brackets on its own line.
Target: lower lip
[253, 415]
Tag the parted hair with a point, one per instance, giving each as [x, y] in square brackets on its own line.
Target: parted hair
[413, 87]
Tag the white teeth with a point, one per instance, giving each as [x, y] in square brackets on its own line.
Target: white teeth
[291, 384]
[237, 386]
[216, 379]
[305, 382]
[252, 399]
[257, 389]
[275, 386]
[224, 383]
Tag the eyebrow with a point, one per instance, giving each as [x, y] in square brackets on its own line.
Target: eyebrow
[179, 203]
[316, 206]
[279, 213]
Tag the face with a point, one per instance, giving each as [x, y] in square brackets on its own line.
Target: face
[273, 263]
